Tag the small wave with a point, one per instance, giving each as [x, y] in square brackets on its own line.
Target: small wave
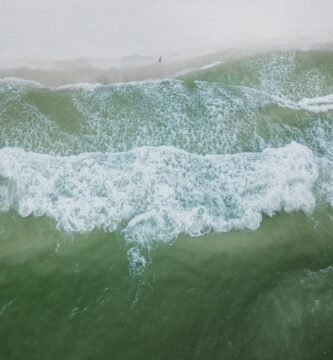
[194, 69]
[212, 65]
[316, 105]
[20, 82]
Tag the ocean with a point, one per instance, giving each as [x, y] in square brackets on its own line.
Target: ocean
[188, 217]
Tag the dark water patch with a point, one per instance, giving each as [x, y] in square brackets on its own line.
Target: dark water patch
[233, 296]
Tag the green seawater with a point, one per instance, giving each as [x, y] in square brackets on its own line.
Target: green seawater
[244, 295]
[186, 218]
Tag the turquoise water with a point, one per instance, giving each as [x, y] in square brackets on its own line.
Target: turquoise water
[185, 218]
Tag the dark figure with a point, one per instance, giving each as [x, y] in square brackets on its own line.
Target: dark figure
[160, 59]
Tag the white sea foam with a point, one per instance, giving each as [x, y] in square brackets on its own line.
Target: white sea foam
[82, 85]
[195, 69]
[211, 65]
[158, 192]
[201, 116]
[20, 82]
[317, 104]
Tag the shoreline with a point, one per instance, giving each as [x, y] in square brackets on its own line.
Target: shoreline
[140, 68]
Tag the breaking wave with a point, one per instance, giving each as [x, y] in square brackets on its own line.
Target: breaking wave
[159, 192]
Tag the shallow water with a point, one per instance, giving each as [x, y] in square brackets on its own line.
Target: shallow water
[187, 218]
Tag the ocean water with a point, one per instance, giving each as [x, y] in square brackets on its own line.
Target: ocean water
[182, 218]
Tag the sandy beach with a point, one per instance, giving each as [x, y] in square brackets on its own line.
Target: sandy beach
[74, 37]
